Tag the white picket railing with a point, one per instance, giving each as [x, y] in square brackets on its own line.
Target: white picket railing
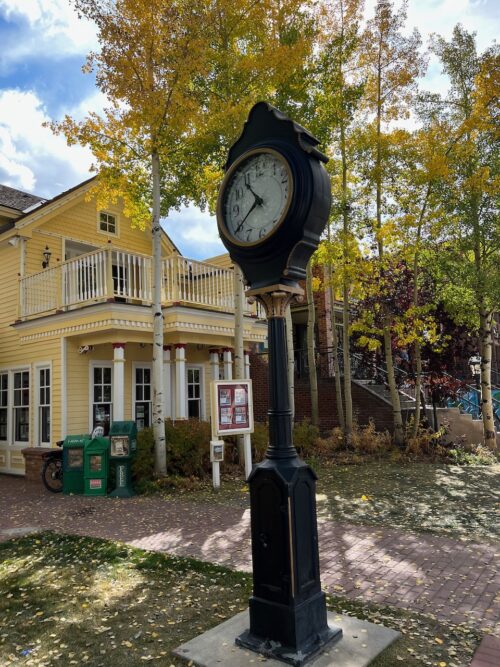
[114, 274]
[38, 293]
[190, 281]
[84, 278]
[131, 276]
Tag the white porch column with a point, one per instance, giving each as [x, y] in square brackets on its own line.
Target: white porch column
[247, 365]
[228, 363]
[118, 381]
[167, 382]
[214, 363]
[180, 381]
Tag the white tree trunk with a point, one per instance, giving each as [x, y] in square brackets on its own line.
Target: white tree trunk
[239, 352]
[290, 361]
[391, 380]
[311, 357]
[347, 363]
[158, 419]
[239, 296]
[489, 431]
[244, 441]
[336, 365]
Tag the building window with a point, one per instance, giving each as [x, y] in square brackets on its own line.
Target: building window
[21, 406]
[107, 223]
[142, 397]
[4, 402]
[44, 406]
[101, 398]
[194, 392]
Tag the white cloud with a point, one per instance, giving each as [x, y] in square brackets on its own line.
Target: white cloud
[32, 157]
[54, 29]
[194, 232]
[441, 16]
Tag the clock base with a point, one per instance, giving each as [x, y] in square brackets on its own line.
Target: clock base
[310, 615]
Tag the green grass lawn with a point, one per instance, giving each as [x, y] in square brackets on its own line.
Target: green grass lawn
[460, 502]
[67, 600]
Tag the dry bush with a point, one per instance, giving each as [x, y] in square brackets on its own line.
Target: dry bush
[367, 440]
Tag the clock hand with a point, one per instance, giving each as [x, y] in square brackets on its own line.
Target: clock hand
[241, 223]
[258, 200]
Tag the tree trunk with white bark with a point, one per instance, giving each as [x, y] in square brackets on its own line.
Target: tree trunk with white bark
[160, 449]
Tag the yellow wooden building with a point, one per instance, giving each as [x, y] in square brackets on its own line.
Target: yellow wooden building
[76, 327]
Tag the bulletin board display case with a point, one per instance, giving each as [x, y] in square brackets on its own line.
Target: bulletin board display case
[231, 406]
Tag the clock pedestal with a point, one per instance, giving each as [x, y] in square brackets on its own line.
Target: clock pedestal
[288, 618]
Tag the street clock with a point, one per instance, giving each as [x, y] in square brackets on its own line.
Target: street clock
[275, 198]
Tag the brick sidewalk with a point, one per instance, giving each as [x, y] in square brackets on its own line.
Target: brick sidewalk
[452, 580]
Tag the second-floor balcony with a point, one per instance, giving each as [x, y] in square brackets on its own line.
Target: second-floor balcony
[113, 275]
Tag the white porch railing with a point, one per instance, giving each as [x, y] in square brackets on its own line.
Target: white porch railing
[195, 282]
[113, 274]
[38, 293]
[84, 279]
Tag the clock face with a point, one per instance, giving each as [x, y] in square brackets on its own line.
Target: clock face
[256, 196]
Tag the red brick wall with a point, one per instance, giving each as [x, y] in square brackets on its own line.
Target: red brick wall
[33, 462]
[365, 404]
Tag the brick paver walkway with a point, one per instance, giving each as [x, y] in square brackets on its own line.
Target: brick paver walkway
[453, 580]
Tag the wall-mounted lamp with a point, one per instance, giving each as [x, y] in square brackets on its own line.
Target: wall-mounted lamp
[46, 254]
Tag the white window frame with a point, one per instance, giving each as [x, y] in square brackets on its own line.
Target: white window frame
[7, 441]
[47, 365]
[92, 365]
[12, 440]
[201, 368]
[107, 233]
[135, 366]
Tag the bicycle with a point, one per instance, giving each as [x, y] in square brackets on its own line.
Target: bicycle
[52, 469]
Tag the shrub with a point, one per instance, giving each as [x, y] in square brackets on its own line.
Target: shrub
[143, 465]
[188, 451]
[367, 440]
[260, 441]
[188, 447]
[480, 455]
[364, 440]
[427, 444]
[305, 438]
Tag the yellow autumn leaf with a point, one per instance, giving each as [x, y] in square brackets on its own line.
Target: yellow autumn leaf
[364, 498]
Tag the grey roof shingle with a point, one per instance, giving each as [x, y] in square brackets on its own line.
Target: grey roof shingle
[17, 199]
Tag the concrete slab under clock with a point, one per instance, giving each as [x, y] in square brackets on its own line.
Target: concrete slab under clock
[360, 644]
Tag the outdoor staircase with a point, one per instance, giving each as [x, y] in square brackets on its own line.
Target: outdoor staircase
[462, 416]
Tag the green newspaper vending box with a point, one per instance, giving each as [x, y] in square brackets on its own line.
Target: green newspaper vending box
[123, 447]
[96, 467]
[73, 448]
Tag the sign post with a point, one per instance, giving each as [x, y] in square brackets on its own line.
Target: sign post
[232, 414]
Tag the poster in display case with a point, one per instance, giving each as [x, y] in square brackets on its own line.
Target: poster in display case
[232, 406]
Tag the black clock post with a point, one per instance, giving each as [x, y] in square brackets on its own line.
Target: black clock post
[288, 617]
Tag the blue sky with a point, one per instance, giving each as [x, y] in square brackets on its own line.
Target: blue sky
[43, 45]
